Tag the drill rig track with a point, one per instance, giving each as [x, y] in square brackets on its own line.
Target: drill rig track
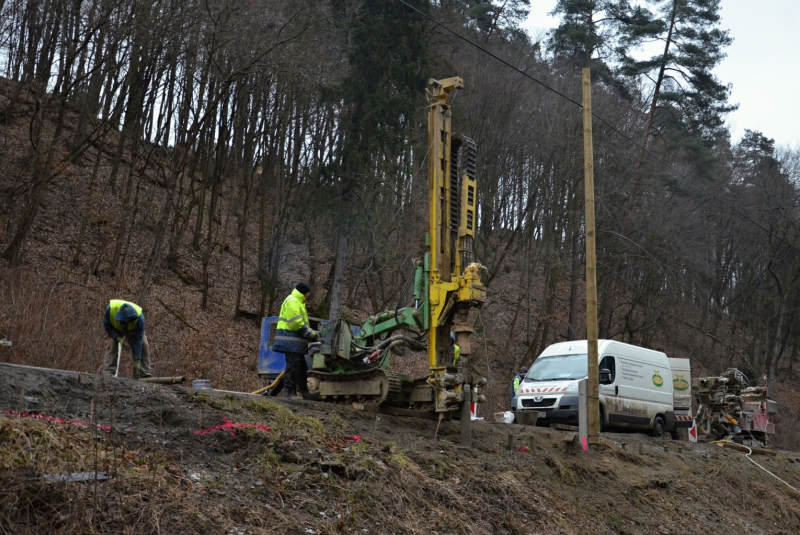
[373, 387]
[367, 386]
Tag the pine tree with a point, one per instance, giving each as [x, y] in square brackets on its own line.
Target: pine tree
[489, 17]
[584, 31]
[687, 102]
[588, 36]
[681, 73]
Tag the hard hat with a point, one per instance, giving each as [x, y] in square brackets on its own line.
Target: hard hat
[523, 370]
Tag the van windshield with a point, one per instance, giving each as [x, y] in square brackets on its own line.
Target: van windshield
[559, 368]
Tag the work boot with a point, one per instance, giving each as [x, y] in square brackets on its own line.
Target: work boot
[290, 392]
[310, 396]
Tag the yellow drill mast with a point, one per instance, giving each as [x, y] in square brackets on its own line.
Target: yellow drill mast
[453, 275]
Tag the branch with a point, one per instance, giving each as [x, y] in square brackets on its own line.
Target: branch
[180, 318]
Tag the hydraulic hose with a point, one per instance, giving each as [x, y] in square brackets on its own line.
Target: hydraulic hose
[413, 343]
[272, 385]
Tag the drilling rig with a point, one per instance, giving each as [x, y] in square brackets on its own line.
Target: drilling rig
[729, 408]
[354, 364]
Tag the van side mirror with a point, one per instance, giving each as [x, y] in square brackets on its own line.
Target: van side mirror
[605, 377]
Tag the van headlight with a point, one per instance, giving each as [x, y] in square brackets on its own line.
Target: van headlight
[572, 388]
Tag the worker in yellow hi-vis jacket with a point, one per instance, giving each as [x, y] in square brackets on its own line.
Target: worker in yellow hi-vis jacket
[124, 321]
[523, 371]
[292, 337]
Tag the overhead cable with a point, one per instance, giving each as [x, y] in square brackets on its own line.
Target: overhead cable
[599, 118]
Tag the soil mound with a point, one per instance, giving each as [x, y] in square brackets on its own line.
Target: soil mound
[84, 453]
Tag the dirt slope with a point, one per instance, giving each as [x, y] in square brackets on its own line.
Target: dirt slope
[322, 468]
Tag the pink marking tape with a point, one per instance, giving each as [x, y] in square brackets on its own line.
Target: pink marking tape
[229, 425]
[79, 423]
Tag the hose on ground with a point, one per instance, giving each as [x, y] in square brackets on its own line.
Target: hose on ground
[271, 385]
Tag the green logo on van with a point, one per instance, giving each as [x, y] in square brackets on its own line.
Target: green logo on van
[679, 383]
[657, 379]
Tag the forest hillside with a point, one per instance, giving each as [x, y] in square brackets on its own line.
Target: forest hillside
[200, 158]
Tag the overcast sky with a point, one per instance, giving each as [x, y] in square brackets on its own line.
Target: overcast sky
[762, 64]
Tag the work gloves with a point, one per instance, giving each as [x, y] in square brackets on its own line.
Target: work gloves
[312, 334]
[137, 369]
[120, 340]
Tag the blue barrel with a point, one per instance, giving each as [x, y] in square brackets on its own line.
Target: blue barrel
[270, 363]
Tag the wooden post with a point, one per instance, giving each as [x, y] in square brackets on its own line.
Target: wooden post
[591, 264]
[583, 411]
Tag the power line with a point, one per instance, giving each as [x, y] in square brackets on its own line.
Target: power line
[602, 120]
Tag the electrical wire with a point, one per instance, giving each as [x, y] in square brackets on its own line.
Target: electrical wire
[770, 473]
[602, 120]
[750, 452]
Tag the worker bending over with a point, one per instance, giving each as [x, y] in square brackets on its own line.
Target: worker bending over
[292, 337]
[125, 321]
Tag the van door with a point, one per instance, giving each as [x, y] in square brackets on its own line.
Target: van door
[610, 390]
[632, 395]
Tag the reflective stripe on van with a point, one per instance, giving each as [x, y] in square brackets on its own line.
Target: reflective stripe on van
[542, 390]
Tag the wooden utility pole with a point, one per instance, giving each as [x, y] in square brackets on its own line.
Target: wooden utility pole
[591, 264]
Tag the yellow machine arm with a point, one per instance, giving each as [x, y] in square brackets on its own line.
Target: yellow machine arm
[453, 275]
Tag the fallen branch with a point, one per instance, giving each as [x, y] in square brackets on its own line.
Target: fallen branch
[180, 318]
[184, 277]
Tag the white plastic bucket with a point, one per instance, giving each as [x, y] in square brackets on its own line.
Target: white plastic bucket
[201, 384]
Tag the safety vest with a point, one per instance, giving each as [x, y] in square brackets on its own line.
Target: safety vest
[456, 354]
[515, 385]
[114, 305]
[292, 325]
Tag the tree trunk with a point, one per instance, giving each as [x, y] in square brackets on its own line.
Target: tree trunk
[337, 284]
[575, 278]
[778, 344]
[649, 124]
[13, 253]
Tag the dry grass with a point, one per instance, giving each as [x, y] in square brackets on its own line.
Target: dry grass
[55, 322]
[48, 324]
[787, 434]
[146, 490]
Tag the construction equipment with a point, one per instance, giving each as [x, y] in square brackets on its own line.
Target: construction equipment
[731, 409]
[354, 364]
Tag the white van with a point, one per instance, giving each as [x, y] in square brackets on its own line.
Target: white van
[636, 386]
[681, 393]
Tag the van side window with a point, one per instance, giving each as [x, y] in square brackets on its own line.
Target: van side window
[607, 363]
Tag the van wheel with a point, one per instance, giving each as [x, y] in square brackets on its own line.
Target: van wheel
[658, 428]
[675, 434]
